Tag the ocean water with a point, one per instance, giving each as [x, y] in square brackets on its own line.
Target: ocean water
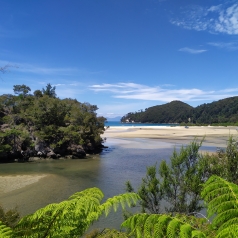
[118, 123]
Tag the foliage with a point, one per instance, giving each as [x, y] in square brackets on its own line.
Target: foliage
[44, 118]
[221, 197]
[70, 218]
[222, 112]
[172, 112]
[165, 225]
[10, 217]
[21, 89]
[38, 93]
[178, 182]
[182, 177]
[5, 231]
[231, 159]
[49, 91]
[149, 191]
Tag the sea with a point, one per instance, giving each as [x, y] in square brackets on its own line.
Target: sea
[118, 123]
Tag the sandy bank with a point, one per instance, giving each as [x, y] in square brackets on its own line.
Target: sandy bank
[213, 135]
[10, 182]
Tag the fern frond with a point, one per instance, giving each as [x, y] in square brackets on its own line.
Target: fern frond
[5, 231]
[149, 225]
[135, 223]
[65, 219]
[157, 225]
[231, 231]
[222, 199]
[95, 192]
[71, 218]
[160, 228]
[185, 231]
[122, 199]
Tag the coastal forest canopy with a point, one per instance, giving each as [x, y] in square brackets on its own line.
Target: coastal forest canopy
[224, 111]
[40, 123]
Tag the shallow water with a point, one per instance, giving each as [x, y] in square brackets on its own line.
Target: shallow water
[125, 159]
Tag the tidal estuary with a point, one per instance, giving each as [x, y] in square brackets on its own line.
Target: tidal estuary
[125, 159]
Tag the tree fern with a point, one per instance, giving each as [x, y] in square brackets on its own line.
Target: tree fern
[162, 225]
[5, 231]
[70, 218]
[222, 199]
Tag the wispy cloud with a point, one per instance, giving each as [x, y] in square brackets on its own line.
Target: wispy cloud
[225, 45]
[222, 18]
[192, 51]
[143, 92]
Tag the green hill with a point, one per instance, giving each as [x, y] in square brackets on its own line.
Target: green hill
[173, 112]
[218, 112]
[222, 111]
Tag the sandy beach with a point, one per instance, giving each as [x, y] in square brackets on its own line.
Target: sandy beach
[10, 182]
[213, 135]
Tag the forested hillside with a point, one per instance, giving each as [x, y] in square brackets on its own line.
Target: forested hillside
[44, 125]
[222, 111]
[219, 112]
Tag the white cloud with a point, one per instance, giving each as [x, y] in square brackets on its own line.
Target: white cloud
[221, 18]
[192, 51]
[143, 92]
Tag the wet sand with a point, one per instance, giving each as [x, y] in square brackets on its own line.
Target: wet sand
[10, 183]
[213, 136]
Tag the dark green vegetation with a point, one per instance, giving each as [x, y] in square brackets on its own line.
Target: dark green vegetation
[222, 112]
[46, 125]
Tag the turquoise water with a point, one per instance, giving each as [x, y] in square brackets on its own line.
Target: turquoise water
[118, 123]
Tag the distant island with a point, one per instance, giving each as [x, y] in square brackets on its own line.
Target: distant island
[222, 112]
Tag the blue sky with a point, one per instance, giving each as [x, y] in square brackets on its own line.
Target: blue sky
[122, 55]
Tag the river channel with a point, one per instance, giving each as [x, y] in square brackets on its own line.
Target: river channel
[125, 159]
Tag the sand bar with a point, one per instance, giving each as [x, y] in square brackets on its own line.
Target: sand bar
[10, 182]
[213, 134]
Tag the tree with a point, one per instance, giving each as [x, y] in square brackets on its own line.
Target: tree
[38, 93]
[149, 191]
[181, 179]
[178, 182]
[21, 89]
[49, 90]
